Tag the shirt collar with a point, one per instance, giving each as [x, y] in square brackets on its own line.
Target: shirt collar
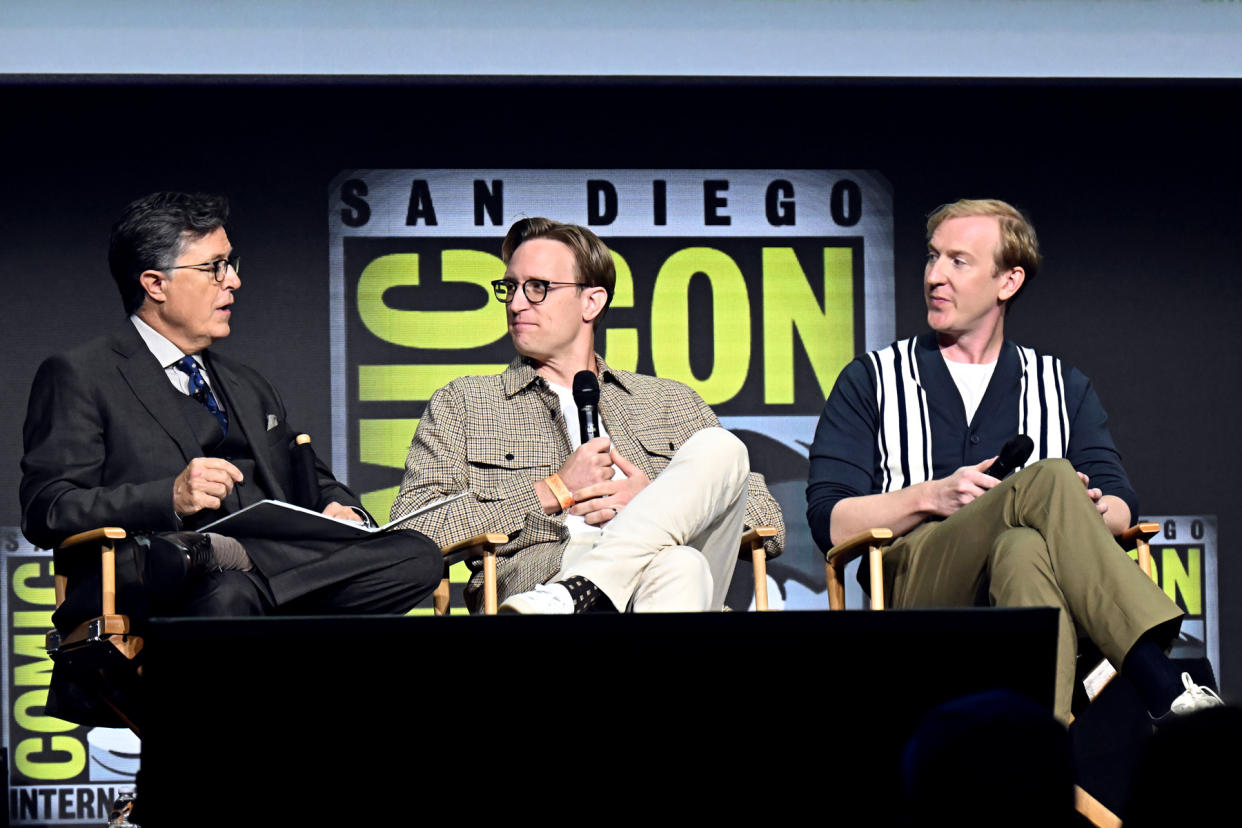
[521, 374]
[164, 351]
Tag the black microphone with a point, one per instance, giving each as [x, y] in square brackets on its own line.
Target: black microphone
[586, 397]
[1014, 454]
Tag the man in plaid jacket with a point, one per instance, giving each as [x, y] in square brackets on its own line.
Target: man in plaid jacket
[645, 517]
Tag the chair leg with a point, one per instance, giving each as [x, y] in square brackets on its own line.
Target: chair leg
[1144, 556]
[836, 586]
[874, 559]
[440, 596]
[1093, 810]
[107, 572]
[489, 581]
[759, 562]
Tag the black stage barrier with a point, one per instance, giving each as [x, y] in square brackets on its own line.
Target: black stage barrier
[599, 718]
[1111, 735]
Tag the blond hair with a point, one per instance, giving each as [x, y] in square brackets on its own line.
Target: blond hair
[592, 258]
[1018, 245]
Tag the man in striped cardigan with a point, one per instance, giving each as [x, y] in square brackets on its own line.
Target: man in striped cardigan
[909, 432]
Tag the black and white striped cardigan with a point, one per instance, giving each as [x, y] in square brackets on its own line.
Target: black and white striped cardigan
[895, 418]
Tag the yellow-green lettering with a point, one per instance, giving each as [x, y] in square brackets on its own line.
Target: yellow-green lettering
[37, 722]
[27, 572]
[621, 344]
[789, 306]
[36, 619]
[379, 502]
[32, 767]
[729, 320]
[1186, 580]
[385, 442]
[388, 383]
[445, 330]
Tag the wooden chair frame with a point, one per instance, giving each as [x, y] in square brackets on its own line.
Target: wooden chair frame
[108, 623]
[106, 640]
[873, 541]
[484, 546]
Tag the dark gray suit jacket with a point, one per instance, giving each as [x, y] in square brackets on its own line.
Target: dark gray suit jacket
[105, 436]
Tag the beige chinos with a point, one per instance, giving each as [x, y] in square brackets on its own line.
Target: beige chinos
[673, 547]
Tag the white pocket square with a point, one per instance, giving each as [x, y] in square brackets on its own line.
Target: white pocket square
[271, 421]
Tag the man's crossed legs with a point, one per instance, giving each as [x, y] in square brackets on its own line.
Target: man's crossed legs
[670, 549]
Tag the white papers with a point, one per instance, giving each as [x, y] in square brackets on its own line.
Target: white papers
[275, 520]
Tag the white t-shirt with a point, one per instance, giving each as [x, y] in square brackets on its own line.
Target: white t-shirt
[576, 524]
[971, 381]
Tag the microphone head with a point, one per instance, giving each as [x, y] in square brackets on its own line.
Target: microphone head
[586, 389]
[1016, 451]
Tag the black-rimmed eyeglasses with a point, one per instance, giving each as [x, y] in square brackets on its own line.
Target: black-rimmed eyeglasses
[536, 290]
[219, 269]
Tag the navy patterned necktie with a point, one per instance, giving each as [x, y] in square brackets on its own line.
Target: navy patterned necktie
[201, 391]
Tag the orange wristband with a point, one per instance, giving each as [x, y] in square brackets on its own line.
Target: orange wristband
[560, 491]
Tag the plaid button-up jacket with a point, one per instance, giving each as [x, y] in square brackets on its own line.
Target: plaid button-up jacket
[494, 436]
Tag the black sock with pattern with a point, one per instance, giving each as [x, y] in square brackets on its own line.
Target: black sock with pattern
[587, 596]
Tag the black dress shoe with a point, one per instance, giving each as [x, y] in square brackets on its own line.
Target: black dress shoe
[196, 545]
[169, 558]
[152, 571]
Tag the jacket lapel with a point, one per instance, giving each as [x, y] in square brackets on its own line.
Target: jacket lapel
[246, 412]
[145, 377]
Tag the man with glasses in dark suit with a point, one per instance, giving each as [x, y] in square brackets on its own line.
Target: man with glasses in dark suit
[149, 429]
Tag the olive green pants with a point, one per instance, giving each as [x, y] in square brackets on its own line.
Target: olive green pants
[1036, 539]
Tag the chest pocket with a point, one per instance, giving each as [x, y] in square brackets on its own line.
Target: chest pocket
[659, 442]
[496, 463]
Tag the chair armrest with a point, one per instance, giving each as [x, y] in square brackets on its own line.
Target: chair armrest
[1143, 531]
[480, 546]
[463, 549]
[848, 550]
[753, 540]
[1139, 534]
[93, 536]
[105, 538]
[753, 550]
[841, 554]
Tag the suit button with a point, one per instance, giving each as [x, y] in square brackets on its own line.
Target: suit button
[508, 456]
[974, 439]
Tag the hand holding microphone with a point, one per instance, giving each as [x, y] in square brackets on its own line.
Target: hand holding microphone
[589, 472]
[586, 397]
[591, 462]
[969, 482]
[1014, 454]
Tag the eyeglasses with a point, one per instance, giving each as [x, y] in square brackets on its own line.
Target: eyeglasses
[219, 269]
[536, 290]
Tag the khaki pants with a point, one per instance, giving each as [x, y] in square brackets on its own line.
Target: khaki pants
[1034, 540]
[674, 546]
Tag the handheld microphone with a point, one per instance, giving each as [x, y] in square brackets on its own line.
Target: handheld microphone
[1013, 454]
[586, 397]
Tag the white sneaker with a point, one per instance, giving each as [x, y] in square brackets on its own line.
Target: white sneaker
[1192, 699]
[544, 599]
